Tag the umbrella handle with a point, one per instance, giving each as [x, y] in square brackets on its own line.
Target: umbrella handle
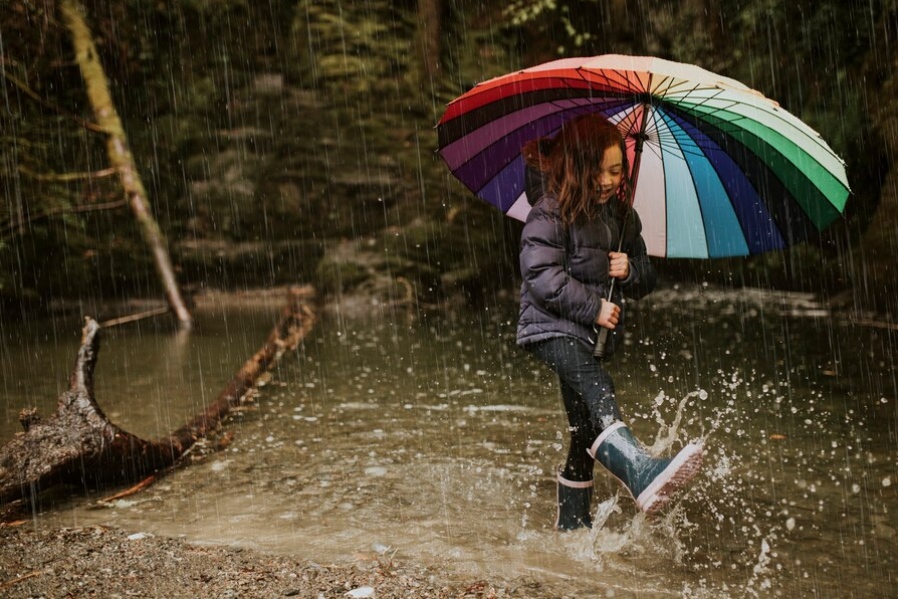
[599, 351]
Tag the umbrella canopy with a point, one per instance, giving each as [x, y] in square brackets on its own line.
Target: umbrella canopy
[724, 171]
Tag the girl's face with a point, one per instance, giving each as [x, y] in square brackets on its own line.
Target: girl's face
[611, 172]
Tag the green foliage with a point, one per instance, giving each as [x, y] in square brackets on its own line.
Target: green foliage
[358, 47]
[307, 122]
[578, 32]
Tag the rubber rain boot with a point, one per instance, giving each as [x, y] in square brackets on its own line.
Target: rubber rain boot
[651, 481]
[574, 503]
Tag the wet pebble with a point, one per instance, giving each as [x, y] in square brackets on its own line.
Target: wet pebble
[104, 561]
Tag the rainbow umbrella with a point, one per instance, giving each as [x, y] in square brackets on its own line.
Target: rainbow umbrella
[723, 171]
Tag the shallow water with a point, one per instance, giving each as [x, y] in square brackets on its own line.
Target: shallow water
[434, 438]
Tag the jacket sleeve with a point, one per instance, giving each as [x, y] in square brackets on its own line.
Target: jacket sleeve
[642, 278]
[542, 267]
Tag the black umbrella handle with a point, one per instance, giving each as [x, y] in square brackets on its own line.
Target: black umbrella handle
[601, 348]
[600, 351]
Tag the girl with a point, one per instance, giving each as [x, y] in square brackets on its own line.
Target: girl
[567, 263]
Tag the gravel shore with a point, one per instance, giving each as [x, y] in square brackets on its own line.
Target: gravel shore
[107, 562]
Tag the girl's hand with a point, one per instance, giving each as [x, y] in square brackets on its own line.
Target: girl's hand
[609, 314]
[618, 265]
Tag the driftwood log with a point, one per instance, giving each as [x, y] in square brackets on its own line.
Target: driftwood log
[79, 443]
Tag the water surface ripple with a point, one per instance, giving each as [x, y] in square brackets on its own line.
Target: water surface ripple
[434, 438]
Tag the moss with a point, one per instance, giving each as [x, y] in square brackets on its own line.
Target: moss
[333, 276]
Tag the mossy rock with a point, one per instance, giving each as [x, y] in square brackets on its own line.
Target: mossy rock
[224, 264]
[363, 267]
[337, 276]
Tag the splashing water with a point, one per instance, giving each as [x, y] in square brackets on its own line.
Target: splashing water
[438, 439]
[722, 493]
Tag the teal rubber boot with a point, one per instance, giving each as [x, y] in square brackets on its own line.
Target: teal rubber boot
[574, 504]
[651, 481]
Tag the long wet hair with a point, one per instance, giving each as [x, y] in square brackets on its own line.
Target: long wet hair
[570, 164]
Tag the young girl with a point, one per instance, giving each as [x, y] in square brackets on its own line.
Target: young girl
[568, 259]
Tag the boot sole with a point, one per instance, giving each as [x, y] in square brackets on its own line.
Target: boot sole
[680, 471]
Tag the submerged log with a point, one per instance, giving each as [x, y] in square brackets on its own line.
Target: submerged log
[79, 443]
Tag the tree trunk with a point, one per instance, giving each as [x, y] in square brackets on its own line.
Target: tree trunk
[874, 269]
[120, 155]
[79, 443]
[429, 40]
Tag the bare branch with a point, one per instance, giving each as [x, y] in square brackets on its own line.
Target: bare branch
[34, 96]
[8, 230]
[106, 172]
[134, 317]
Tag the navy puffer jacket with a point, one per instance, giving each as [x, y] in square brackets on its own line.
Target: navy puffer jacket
[565, 272]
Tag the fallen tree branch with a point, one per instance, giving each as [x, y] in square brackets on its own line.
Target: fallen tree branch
[79, 443]
[134, 317]
[16, 581]
[870, 322]
[130, 491]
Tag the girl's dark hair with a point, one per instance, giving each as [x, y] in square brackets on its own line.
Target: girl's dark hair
[570, 162]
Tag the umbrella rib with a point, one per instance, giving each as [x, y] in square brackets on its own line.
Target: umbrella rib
[673, 142]
[472, 157]
[671, 91]
[630, 120]
[601, 75]
[675, 83]
[654, 116]
[715, 110]
[669, 95]
[692, 118]
[654, 124]
[742, 226]
[662, 140]
[704, 101]
[509, 162]
[698, 201]
[786, 233]
[798, 126]
[449, 129]
[696, 86]
[682, 142]
[563, 78]
[725, 127]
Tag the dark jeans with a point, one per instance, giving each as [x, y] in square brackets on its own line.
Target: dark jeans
[588, 395]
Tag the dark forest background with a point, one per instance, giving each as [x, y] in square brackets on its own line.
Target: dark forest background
[293, 140]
